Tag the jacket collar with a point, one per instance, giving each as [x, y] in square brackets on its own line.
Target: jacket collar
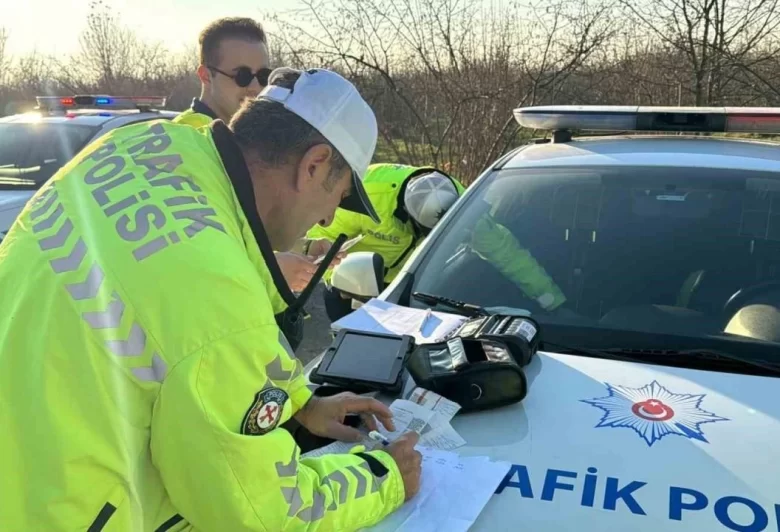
[201, 108]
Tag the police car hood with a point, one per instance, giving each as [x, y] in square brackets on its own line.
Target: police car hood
[14, 199]
[604, 445]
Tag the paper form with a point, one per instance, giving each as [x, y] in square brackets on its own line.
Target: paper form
[407, 416]
[434, 401]
[432, 425]
[337, 447]
[443, 437]
[453, 492]
[383, 317]
[344, 247]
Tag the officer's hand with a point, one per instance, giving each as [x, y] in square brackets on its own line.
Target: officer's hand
[409, 461]
[297, 269]
[318, 248]
[324, 416]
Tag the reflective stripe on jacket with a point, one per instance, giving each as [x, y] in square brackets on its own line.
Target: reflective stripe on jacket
[142, 375]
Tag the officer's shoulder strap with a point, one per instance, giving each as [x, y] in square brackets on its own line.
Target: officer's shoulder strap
[238, 173]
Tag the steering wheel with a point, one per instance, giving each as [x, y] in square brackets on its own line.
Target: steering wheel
[741, 296]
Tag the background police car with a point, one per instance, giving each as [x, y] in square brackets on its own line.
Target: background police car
[661, 244]
[33, 146]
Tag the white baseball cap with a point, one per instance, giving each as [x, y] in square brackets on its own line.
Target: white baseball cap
[428, 197]
[333, 106]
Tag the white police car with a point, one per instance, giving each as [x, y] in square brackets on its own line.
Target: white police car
[654, 401]
[33, 146]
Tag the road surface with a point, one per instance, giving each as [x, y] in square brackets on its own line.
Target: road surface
[316, 332]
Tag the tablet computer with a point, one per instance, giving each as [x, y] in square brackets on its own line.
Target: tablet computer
[364, 360]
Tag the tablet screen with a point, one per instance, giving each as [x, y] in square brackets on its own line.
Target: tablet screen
[365, 357]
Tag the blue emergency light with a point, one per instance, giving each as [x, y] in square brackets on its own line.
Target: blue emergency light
[102, 102]
[657, 119]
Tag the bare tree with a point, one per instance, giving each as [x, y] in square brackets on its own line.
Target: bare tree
[5, 60]
[444, 75]
[717, 39]
[112, 57]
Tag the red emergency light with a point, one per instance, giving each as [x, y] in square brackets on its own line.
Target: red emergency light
[102, 102]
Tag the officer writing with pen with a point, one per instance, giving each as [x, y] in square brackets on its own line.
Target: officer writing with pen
[150, 393]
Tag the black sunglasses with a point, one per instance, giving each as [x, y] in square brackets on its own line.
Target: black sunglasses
[244, 75]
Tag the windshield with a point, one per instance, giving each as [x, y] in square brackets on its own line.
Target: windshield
[31, 153]
[666, 251]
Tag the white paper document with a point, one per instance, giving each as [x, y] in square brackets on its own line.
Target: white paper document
[434, 401]
[443, 437]
[453, 492]
[344, 247]
[407, 416]
[388, 318]
[427, 413]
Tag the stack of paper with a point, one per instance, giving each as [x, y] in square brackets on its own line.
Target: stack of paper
[425, 412]
[382, 317]
[453, 489]
[453, 492]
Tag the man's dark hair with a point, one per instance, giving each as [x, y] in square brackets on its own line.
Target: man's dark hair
[275, 136]
[240, 28]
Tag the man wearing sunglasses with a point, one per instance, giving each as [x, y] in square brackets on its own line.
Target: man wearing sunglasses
[234, 66]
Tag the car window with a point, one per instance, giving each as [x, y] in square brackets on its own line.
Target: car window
[31, 153]
[661, 250]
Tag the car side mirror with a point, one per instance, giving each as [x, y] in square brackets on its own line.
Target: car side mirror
[360, 275]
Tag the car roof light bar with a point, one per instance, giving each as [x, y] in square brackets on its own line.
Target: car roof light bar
[658, 119]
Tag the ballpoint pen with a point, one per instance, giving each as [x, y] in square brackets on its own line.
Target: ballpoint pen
[377, 436]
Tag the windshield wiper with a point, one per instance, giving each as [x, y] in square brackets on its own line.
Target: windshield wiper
[595, 353]
[463, 307]
[706, 354]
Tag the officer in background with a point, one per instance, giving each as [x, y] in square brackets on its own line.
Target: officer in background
[234, 67]
[154, 396]
[410, 201]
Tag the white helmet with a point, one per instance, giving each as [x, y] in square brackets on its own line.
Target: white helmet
[428, 197]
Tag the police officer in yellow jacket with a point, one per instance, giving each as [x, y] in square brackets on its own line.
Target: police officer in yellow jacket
[410, 201]
[143, 379]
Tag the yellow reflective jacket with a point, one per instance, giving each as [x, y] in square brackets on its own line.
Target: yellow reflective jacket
[395, 239]
[199, 115]
[143, 378]
[192, 118]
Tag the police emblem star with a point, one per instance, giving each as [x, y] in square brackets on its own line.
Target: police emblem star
[266, 411]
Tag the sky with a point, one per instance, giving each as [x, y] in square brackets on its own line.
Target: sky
[53, 26]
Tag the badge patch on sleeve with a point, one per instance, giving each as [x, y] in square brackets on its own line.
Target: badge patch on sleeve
[265, 412]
